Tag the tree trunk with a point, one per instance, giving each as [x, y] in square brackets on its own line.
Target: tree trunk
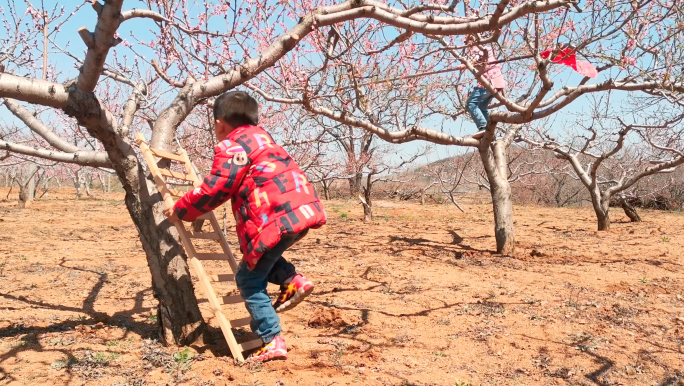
[601, 208]
[178, 315]
[367, 205]
[367, 212]
[495, 160]
[503, 217]
[326, 189]
[86, 182]
[31, 185]
[630, 211]
[77, 185]
[603, 220]
[101, 178]
[23, 196]
[355, 185]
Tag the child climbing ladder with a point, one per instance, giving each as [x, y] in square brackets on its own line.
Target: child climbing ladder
[194, 257]
[274, 207]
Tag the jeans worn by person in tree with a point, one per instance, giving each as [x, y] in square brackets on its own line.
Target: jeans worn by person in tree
[478, 101]
[271, 268]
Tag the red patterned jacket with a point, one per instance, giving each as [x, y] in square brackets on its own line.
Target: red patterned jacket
[270, 194]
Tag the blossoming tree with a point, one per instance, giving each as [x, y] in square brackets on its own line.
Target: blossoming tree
[199, 51]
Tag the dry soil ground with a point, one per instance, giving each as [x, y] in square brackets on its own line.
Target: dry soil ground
[414, 298]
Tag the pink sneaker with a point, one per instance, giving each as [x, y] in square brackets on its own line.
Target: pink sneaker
[274, 350]
[293, 293]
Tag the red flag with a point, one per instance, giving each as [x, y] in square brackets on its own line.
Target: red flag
[567, 57]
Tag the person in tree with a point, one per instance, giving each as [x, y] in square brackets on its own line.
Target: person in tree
[274, 207]
[479, 99]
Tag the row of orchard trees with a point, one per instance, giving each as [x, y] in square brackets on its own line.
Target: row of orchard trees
[32, 179]
[356, 74]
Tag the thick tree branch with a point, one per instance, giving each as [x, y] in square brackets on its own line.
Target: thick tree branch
[131, 106]
[81, 157]
[33, 90]
[39, 127]
[572, 93]
[142, 13]
[500, 8]
[108, 21]
[400, 136]
[618, 146]
[433, 25]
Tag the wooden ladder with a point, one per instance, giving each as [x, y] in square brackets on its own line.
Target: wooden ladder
[186, 236]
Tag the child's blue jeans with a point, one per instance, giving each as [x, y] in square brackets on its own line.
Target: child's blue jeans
[271, 268]
[478, 101]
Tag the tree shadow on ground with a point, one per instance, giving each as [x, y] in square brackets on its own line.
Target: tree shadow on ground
[118, 319]
[457, 247]
[601, 376]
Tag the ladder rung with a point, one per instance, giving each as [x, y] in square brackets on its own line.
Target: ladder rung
[231, 299]
[211, 256]
[251, 345]
[220, 278]
[167, 155]
[176, 175]
[240, 322]
[176, 193]
[205, 236]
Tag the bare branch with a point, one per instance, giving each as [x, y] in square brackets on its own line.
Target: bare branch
[433, 25]
[81, 157]
[103, 39]
[33, 90]
[142, 13]
[39, 127]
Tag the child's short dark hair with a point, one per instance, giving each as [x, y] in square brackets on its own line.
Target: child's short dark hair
[237, 108]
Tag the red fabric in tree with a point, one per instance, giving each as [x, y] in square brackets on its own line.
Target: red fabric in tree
[270, 194]
[568, 57]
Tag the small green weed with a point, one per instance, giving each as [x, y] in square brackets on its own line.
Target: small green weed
[666, 239]
[183, 359]
[644, 279]
[98, 359]
[64, 363]
[344, 215]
